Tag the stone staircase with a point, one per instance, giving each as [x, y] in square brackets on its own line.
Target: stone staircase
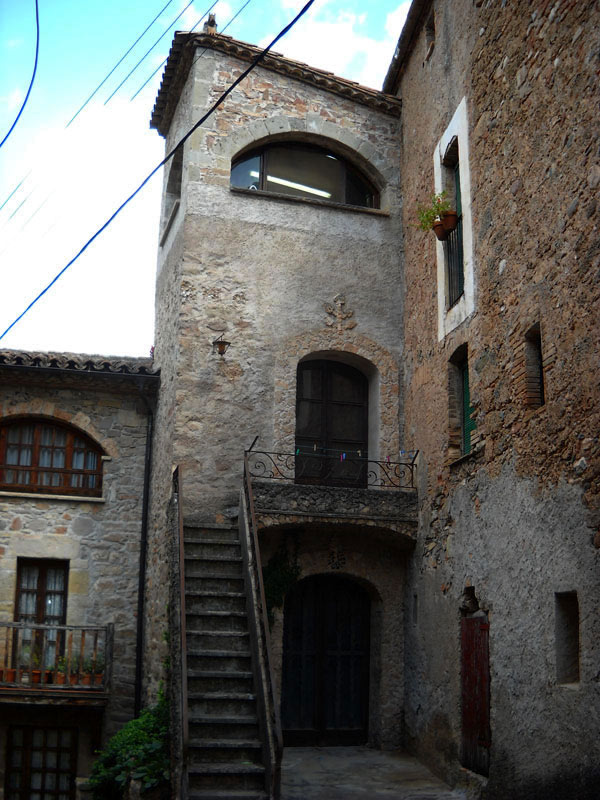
[225, 754]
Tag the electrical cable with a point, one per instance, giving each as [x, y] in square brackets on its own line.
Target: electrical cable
[37, 52]
[147, 53]
[161, 65]
[18, 186]
[120, 61]
[167, 158]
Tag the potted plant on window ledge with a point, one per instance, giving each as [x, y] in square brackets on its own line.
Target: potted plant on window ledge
[438, 216]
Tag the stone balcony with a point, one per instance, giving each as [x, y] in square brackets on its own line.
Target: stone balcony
[300, 490]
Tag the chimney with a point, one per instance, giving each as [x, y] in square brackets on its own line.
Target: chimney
[210, 26]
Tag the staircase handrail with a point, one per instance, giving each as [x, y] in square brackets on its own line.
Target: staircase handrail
[177, 495]
[260, 639]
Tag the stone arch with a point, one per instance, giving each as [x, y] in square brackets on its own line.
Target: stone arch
[44, 409]
[356, 149]
[374, 361]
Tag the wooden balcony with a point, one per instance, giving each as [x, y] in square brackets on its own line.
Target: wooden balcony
[55, 664]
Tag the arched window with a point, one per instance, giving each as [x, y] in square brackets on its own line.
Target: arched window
[331, 424]
[303, 170]
[48, 458]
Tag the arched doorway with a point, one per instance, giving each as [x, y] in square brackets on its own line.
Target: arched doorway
[326, 655]
[332, 417]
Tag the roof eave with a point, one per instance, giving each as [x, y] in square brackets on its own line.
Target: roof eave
[181, 58]
[405, 44]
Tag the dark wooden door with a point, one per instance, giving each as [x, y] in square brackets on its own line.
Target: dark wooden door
[325, 685]
[331, 424]
[475, 678]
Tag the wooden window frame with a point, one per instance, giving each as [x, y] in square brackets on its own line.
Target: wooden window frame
[349, 168]
[35, 470]
[26, 768]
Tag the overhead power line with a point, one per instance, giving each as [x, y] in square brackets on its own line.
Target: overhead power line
[161, 65]
[119, 62]
[147, 53]
[167, 158]
[37, 52]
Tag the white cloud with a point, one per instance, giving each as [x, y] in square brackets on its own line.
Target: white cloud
[337, 44]
[11, 43]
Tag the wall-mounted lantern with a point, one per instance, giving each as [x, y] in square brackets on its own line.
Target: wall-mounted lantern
[220, 345]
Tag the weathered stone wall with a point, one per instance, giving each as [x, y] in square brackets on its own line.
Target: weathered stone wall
[262, 270]
[517, 520]
[100, 538]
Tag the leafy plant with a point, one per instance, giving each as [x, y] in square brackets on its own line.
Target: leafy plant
[140, 751]
[437, 207]
[279, 575]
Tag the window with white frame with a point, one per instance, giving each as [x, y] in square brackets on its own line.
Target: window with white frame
[455, 277]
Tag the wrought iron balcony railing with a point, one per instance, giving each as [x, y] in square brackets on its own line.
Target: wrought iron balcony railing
[55, 657]
[332, 470]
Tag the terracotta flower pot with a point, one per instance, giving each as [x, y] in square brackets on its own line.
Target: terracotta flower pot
[73, 679]
[86, 679]
[36, 675]
[10, 675]
[59, 677]
[439, 230]
[99, 678]
[450, 221]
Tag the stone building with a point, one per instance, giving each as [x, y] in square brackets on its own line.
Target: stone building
[74, 456]
[469, 360]
[373, 509]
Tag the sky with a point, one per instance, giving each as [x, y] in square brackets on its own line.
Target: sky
[60, 182]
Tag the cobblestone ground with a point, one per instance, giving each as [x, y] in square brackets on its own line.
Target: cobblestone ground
[358, 773]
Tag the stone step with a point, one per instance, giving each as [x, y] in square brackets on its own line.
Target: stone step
[218, 660]
[234, 641]
[219, 750]
[214, 582]
[206, 565]
[222, 703]
[211, 547]
[214, 620]
[215, 531]
[223, 776]
[230, 727]
[211, 600]
[229, 794]
[214, 681]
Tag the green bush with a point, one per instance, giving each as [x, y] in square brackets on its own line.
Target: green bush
[140, 750]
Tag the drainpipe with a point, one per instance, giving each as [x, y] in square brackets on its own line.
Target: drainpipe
[139, 652]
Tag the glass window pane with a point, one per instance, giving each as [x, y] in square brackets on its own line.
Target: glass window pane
[17, 737]
[45, 457]
[50, 781]
[58, 458]
[52, 738]
[65, 761]
[51, 760]
[16, 758]
[310, 383]
[36, 779]
[63, 782]
[65, 738]
[36, 758]
[304, 173]
[92, 460]
[246, 174]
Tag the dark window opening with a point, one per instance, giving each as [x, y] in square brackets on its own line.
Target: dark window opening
[534, 369]
[304, 171]
[48, 458]
[454, 253]
[173, 192]
[566, 606]
[430, 35]
[41, 763]
[461, 423]
[331, 424]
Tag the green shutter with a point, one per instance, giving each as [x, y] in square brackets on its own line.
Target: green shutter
[468, 425]
[457, 188]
